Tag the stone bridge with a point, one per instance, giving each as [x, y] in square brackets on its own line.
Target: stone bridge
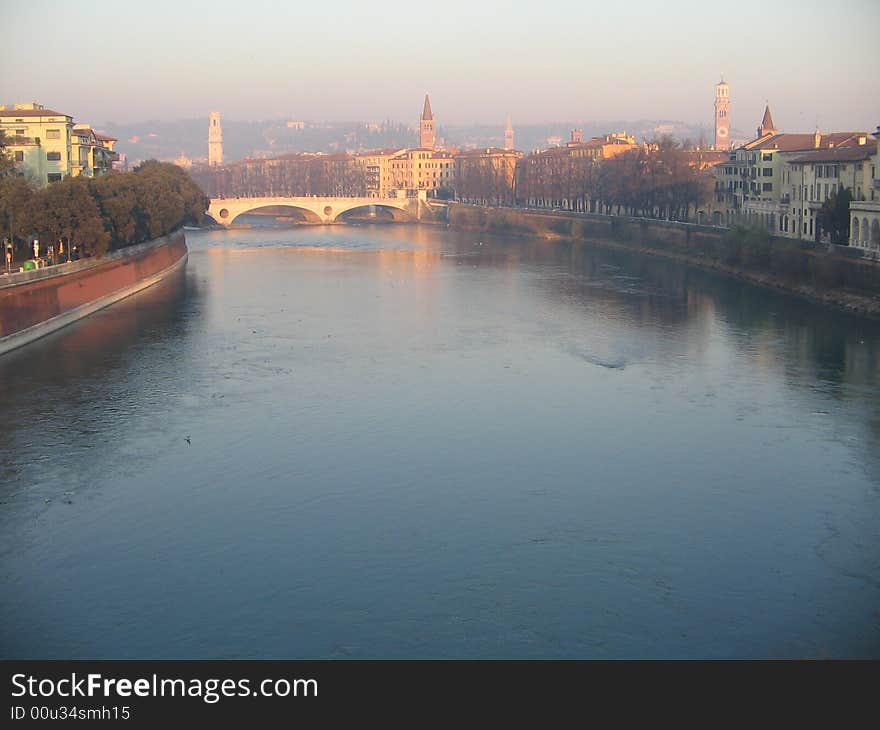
[319, 210]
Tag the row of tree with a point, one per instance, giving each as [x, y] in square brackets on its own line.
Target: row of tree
[662, 179]
[100, 214]
[292, 175]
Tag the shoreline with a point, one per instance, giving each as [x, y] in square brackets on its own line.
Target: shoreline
[38, 302]
[545, 225]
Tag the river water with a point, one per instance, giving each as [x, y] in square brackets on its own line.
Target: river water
[407, 441]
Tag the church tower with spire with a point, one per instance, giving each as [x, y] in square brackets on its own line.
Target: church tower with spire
[508, 135]
[722, 115]
[767, 126]
[427, 131]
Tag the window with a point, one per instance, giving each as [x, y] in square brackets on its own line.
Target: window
[53, 134]
[54, 177]
[768, 187]
[19, 156]
[768, 172]
[53, 156]
[19, 132]
[768, 156]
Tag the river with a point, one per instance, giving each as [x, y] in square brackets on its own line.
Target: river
[409, 442]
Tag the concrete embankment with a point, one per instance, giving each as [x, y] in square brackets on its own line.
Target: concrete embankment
[35, 303]
[834, 275]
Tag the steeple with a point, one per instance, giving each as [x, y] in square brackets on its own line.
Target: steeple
[722, 115]
[427, 133]
[767, 126]
[508, 135]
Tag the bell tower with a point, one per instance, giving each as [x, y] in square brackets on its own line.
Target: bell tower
[722, 116]
[508, 135]
[215, 140]
[427, 133]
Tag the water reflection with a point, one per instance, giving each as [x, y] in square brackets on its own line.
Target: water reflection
[409, 441]
[57, 397]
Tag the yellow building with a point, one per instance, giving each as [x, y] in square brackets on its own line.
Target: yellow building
[376, 165]
[810, 179]
[422, 169]
[91, 152]
[774, 180]
[39, 141]
[47, 146]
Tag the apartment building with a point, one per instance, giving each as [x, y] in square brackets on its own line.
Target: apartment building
[47, 146]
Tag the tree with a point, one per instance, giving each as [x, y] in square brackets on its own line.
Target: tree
[7, 164]
[834, 216]
[16, 200]
[117, 199]
[67, 211]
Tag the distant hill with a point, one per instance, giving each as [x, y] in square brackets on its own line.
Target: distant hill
[166, 140]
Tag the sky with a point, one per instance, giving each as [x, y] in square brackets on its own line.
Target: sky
[360, 60]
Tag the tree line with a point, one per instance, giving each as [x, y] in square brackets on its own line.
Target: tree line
[295, 175]
[662, 179]
[100, 214]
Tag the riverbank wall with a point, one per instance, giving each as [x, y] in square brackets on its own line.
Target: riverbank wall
[36, 303]
[835, 275]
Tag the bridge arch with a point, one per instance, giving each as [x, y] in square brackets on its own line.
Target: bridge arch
[393, 212]
[280, 210]
[314, 209]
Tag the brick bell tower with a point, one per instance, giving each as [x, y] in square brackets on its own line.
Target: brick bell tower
[427, 131]
[722, 116]
[508, 135]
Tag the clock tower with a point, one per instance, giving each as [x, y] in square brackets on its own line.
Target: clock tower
[722, 116]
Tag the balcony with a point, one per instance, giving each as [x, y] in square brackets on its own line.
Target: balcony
[23, 141]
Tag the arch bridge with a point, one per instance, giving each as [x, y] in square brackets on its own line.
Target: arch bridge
[323, 210]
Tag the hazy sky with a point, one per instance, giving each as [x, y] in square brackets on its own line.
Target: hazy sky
[816, 62]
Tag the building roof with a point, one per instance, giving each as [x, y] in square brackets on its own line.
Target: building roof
[105, 137]
[851, 153]
[426, 112]
[805, 142]
[22, 113]
[380, 153]
[487, 151]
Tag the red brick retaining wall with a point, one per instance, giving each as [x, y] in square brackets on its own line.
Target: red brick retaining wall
[25, 304]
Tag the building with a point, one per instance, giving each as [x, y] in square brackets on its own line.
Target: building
[722, 116]
[91, 153]
[47, 146]
[427, 130]
[486, 176]
[810, 179]
[215, 140]
[864, 227]
[376, 165]
[754, 186]
[39, 141]
[508, 135]
[600, 148]
[422, 169]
